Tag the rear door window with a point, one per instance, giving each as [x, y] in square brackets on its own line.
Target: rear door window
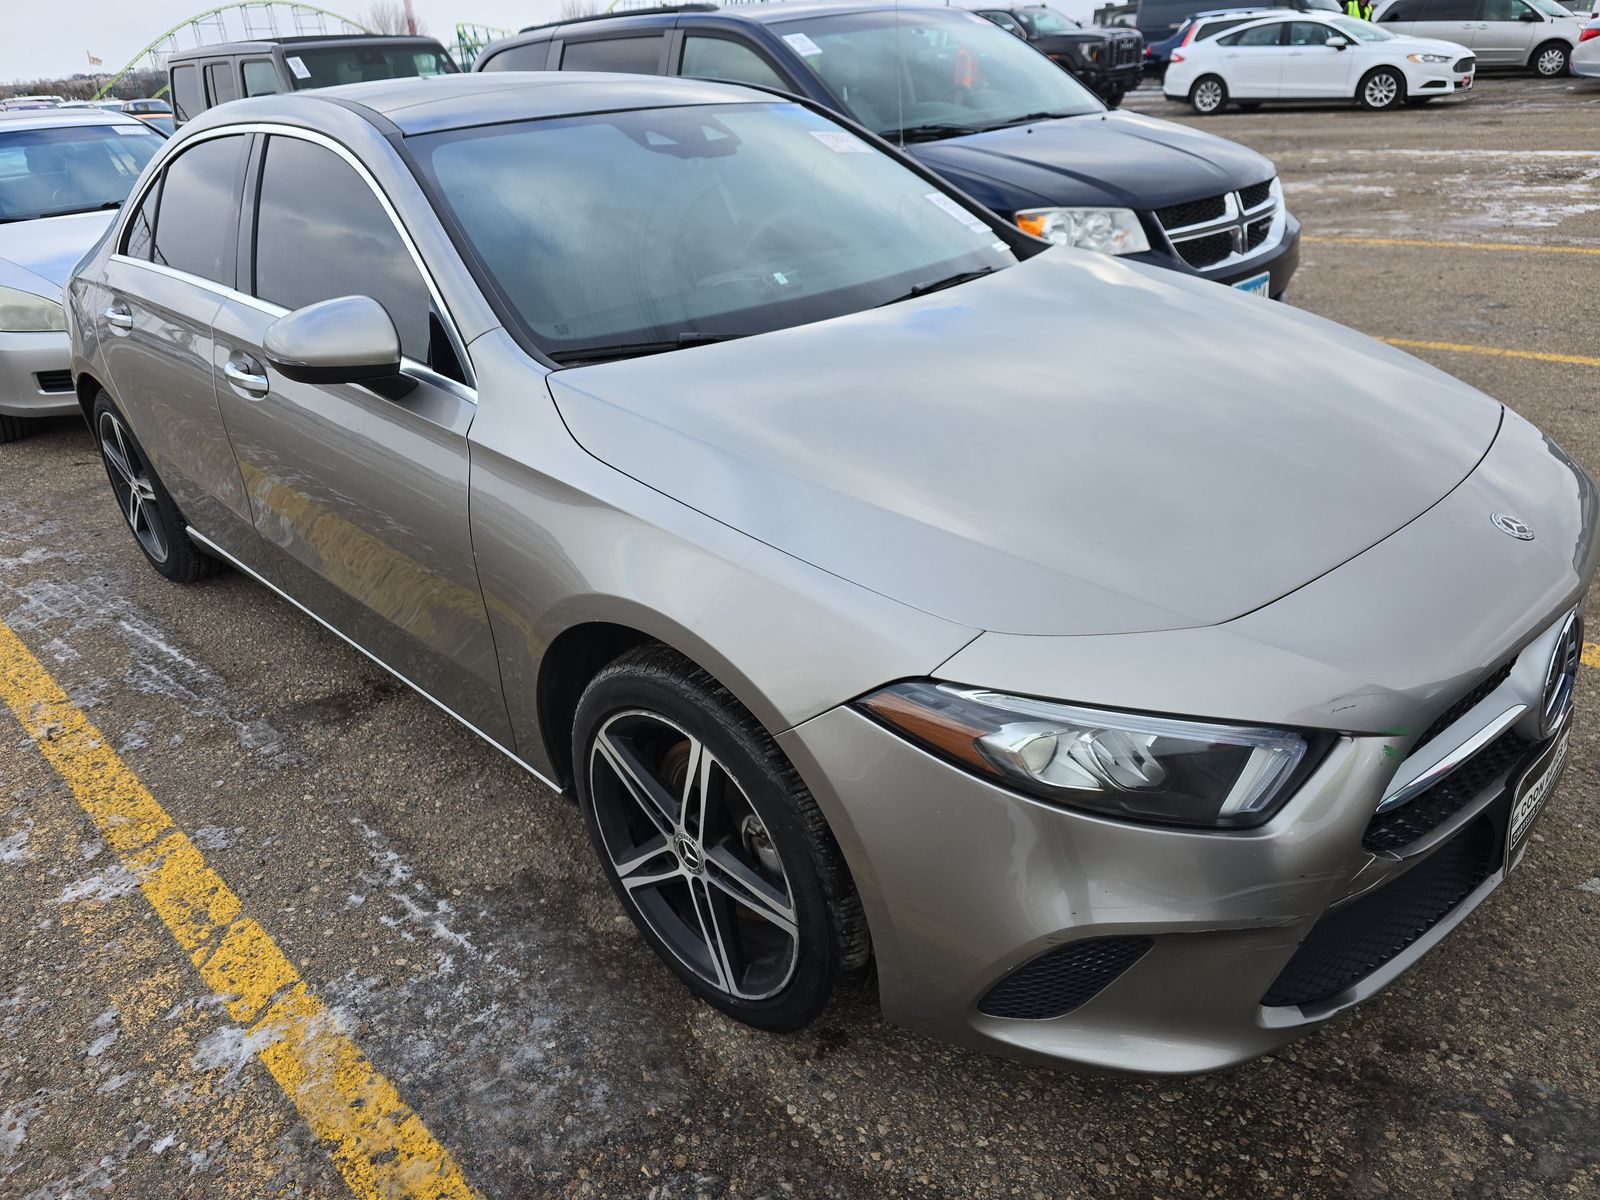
[197, 223]
[634, 55]
[1256, 35]
[142, 225]
[188, 100]
[220, 83]
[727, 62]
[261, 78]
[529, 57]
[1452, 10]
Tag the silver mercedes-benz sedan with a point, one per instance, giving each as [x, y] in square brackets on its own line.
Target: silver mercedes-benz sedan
[62, 174]
[806, 522]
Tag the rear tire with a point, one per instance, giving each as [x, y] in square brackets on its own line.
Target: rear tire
[1551, 60]
[147, 509]
[1208, 96]
[1381, 89]
[14, 429]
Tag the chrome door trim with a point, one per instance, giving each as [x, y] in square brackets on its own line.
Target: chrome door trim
[273, 129]
[212, 548]
[1426, 779]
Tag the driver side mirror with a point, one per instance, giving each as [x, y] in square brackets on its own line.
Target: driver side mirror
[1337, 42]
[347, 340]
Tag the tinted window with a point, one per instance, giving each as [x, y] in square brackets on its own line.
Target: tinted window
[142, 225]
[327, 66]
[1503, 10]
[187, 100]
[260, 78]
[197, 223]
[1005, 22]
[1451, 10]
[731, 62]
[70, 168]
[321, 233]
[1404, 10]
[220, 83]
[636, 55]
[1256, 35]
[1211, 29]
[530, 57]
[1309, 33]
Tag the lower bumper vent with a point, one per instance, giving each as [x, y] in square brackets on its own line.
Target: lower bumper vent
[1062, 979]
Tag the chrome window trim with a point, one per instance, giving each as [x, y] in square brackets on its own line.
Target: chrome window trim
[273, 129]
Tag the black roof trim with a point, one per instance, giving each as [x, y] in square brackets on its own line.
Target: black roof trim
[217, 49]
[655, 10]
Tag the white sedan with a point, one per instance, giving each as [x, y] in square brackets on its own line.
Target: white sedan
[1309, 56]
[1586, 58]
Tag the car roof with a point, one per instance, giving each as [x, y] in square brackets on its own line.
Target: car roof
[56, 118]
[430, 105]
[267, 44]
[755, 14]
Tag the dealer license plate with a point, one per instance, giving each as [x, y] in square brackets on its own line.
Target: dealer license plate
[1528, 799]
[1257, 285]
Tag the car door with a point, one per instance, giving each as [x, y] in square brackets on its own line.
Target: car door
[174, 264]
[359, 493]
[1251, 61]
[1449, 20]
[1506, 33]
[1313, 69]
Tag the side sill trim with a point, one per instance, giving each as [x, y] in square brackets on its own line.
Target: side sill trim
[212, 548]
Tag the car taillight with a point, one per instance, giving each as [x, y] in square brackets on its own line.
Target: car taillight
[1176, 57]
[1589, 33]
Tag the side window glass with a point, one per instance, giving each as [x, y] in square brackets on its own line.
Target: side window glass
[321, 233]
[197, 223]
[1503, 10]
[142, 225]
[1309, 33]
[1452, 10]
[187, 99]
[260, 78]
[1259, 35]
[520, 58]
[220, 82]
[727, 61]
[635, 55]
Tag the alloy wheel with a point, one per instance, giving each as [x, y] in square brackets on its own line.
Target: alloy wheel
[1381, 90]
[131, 481]
[1552, 62]
[1208, 96]
[692, 854]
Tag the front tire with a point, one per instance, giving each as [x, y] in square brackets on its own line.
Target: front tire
[1208, 96]
[1381, 89]
[1113, 98]
[147, 509]
[1551, 60]
[713, 844]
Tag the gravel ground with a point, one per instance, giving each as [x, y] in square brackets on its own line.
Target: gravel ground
[447, 909]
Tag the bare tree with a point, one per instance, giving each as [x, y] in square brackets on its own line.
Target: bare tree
[390, 16]
[571, 10]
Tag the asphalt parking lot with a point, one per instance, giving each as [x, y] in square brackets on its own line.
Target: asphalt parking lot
[447, 922]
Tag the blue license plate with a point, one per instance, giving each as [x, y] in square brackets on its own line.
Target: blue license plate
[1257, 285]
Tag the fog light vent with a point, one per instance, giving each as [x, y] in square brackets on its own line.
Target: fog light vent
[1062, 979]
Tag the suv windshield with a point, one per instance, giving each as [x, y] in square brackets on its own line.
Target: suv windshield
[69, 169]
[636, 232]
[1047, 20]
[924, 74]
[328, 66]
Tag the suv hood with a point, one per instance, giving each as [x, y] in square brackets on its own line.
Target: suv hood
[1115, 158]
[51, 246]
[1016, 454]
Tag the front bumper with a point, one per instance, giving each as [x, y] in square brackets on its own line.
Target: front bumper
[1104, 81]
[35, 375]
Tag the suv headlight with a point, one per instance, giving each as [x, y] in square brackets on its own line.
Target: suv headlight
[1108, 230]
[23, 312]
[1120, 764]
[1428, 58]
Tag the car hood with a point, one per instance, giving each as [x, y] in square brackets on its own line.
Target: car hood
[1021, 454]
[51, 246]
[1102, 158]
[1402, 44]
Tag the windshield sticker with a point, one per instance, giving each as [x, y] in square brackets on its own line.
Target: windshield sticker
[301, 71]
[841, 141]
[970, 220]
[132, 130]
[801, 44]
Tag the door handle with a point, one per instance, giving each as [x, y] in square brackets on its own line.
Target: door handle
[246, 375]
[119, 316]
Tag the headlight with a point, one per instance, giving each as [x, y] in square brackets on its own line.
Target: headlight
[1108, 230]
[1120, 764]
[1428, 58]
[23, 312]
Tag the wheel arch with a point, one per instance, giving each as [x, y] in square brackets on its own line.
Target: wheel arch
[87, 388]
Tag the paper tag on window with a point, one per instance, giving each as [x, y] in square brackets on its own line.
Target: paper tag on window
[802, 45]
[301, 71]
[970, 220]
[138, 130]
[841, 141]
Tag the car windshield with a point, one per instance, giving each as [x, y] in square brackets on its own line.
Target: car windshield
[72, 168]
[923, 74]
[1361, 31]
[328, 66]
[1048, 20]
[635, 232]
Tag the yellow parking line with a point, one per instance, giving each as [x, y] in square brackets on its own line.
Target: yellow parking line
[379, 1144]
[1429, 244]
[1591, 654]
[1494, 351]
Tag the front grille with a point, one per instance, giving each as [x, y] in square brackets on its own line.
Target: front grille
[1126, 52]
[1255, 195]
[1463, 706]
[1353, 941]
[1062, 979]
[1206, 251]
[1399, 827]
[1257, 232]
[1193, 212]
[1463, 65]
[54, 381]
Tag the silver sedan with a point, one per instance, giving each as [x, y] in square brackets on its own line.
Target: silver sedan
[63, 172]
[1136, 673]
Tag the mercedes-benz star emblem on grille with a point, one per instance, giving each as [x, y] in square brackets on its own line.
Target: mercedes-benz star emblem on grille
[1508, 524]
[1561, 675]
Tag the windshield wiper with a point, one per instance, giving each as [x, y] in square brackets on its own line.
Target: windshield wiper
[594, 354]
[925, 133]
[1029, 119]
[939, 285]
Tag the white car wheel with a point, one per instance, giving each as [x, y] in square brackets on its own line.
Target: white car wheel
[1208, 96]
[1550, 60]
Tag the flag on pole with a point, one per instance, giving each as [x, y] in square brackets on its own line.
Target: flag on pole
[93, 61]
